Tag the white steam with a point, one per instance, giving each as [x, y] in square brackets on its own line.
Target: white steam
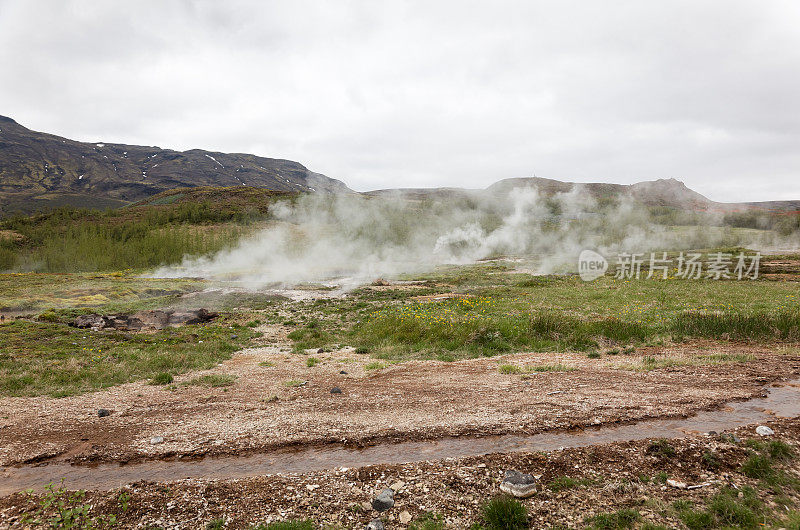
[360, 238]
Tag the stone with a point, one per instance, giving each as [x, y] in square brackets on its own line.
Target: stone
[92, 321]
[155, 319]
[155, 440]
[520, 485]
[397, 486]
[405, 517]
[375, 524]
[343, 372]
[730, 438]
[336, 390]
[384, 500]
[102, 413]
[763, 430]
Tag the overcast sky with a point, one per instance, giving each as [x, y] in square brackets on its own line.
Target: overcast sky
[448, 93]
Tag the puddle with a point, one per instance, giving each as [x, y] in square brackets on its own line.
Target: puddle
[782, 401]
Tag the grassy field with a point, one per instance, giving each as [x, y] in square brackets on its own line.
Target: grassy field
[158, 231]
[491, 310]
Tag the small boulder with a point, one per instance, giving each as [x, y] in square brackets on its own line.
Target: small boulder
[405, 517]
[93, 321]
[336, 390]
[730, 438]
[520, 485]
[155, 440]
[102, 413]
[763, 430]
[375, 524]
[384, 500]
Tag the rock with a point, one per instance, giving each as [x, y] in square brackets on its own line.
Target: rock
[397, 486]
[384, 500]
[102, 413]
[92, 321]
[763, 430]
[320, 350]
[683, 486]
[730, 438]
[336, 390]
[157, 319]
[343, 372]
[155, 440]
[520, 485]
[405, 517]
[375, 524]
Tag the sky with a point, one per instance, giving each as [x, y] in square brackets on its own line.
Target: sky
[386, 94]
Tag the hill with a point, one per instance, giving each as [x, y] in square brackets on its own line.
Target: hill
[39, 170]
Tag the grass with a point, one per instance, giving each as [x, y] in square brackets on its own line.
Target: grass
[44, 358]
[499, 316]
[505, 513]
[375, 366]
[163, 378]
[427, 521]
[625, 518]
[567, 483]
[662, 448]
[312, 362]
[213, 380]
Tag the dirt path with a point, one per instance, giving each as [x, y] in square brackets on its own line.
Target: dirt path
[277, 400]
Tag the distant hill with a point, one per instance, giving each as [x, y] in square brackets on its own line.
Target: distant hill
[670, 193]
[39, 170]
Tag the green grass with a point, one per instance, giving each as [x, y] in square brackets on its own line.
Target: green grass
[567, 483]
[39, 358]
[625, 518]
[213, 380]
[498, 316]
[312, 362]
[428, 521]
[505, 513]
[162, 378]
[375, 366]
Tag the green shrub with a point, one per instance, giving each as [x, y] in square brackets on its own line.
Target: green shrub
[163, 378]
[505, 513]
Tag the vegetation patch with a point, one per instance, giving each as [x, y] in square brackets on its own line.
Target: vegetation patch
[54, 359]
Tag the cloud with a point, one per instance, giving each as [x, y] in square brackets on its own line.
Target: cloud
[388, 94]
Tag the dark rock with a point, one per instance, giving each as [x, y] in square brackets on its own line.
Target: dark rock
[375, 524]
[336, 390]
[520, 485]
[92, 321]
[343, 372]
[157, 319]
[384, 500]
[320, 350]
[102, 413]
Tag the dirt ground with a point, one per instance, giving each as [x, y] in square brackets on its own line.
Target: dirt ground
[628, 475]
[277, 400]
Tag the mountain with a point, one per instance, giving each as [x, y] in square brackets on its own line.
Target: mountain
[39, 170]
[669, 193]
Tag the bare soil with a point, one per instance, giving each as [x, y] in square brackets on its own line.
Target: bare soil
[626, 475]
[278, 401]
